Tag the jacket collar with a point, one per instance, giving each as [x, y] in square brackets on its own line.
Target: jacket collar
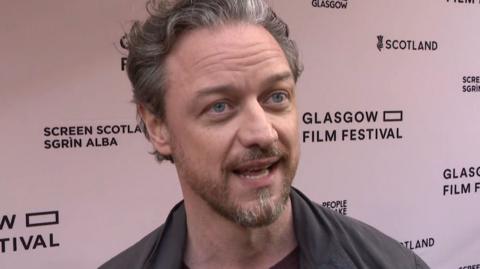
[168, 250]
[318, 249]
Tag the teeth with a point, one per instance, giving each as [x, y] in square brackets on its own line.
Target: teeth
[255, 174]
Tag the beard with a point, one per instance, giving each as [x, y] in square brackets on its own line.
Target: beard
[266, 208]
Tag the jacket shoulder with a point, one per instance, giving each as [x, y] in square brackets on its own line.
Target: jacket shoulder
[367, 245]
[135, 256]
[351, 243]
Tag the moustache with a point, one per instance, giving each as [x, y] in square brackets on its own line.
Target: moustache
[258, 153]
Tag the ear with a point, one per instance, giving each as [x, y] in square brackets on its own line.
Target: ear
[157, 131]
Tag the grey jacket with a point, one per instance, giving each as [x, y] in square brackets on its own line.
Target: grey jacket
[327, 240]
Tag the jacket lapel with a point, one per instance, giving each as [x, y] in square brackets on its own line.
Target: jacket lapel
[318, 247]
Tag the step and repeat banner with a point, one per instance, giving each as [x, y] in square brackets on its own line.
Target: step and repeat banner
[389, 105]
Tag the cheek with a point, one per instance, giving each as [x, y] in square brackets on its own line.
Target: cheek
[287, 128]
[207, 146]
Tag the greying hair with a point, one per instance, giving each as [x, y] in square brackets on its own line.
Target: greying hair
[150, 42]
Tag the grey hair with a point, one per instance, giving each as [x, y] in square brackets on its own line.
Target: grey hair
[150, 42]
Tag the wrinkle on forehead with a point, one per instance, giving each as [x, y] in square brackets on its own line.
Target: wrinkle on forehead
[236, 59]
[233, 47]
[234, 51]
[234, 54]
[228, 44]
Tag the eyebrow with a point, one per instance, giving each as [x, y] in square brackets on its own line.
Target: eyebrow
[278, 77]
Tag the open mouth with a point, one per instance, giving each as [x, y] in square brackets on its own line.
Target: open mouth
[256, 169]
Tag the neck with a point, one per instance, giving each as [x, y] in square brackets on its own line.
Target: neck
[216, 242]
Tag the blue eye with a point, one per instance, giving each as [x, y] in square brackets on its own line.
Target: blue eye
[219, 107]
[278, 97]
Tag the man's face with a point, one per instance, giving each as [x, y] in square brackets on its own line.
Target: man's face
[231, 120]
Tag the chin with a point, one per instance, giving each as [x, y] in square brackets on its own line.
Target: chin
[265, 210]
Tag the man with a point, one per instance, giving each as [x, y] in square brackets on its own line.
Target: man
[214, 82]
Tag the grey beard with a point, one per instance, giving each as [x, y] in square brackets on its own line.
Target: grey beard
[265, 213]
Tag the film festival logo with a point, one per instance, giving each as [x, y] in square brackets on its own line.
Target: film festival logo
[333, 4]
[463, 181]
[405, 45]
[375, 125]
[123, 42]
[31, 241]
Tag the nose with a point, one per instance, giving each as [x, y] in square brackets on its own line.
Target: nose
[256, 128]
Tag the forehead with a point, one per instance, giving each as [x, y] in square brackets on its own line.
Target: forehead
[224, 52]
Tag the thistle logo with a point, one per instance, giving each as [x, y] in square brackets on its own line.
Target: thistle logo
[380, 42]
[405, 45]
